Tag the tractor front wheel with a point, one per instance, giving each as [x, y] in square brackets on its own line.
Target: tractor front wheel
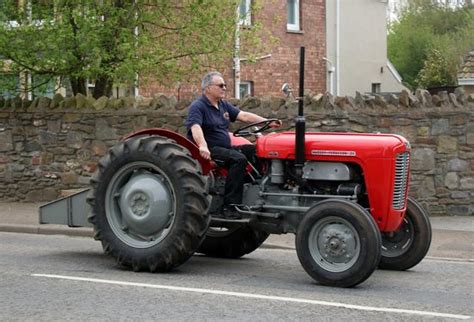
[407, 246]
[338, 243]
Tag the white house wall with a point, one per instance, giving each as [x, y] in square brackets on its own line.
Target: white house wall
[362, 58]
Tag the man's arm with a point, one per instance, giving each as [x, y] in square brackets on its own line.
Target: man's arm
[248, 117]
[198, 137]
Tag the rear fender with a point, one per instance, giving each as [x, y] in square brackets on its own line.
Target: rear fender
[206, 165]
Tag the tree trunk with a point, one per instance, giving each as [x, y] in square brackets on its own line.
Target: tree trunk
[78, 85]
[103, 87]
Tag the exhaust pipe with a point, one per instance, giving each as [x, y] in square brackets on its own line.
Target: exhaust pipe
[300, 122]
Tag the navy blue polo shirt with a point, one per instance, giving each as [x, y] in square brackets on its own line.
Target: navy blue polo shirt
[214, 122]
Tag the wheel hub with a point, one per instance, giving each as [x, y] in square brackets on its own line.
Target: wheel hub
[140, 204]
[336, 243]
[146, 205]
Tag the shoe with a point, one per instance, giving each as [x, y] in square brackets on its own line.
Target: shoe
[230, 212]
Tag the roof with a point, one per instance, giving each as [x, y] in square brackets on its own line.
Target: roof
[466, 70]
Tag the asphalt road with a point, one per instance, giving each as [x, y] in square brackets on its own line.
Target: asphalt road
[69, 278]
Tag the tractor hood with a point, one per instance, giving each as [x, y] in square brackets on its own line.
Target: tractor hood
[320, 145]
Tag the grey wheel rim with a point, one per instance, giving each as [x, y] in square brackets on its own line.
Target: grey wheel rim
[334, 244]
[140, 204]
[397, 243]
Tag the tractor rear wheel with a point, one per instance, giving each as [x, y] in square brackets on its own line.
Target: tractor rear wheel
[232, 242]
[407, 246]
[338, 243]
[149, 204]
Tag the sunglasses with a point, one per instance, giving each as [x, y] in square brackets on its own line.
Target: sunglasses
[223, 85]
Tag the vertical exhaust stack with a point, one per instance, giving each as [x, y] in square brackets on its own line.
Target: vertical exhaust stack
[300, 122]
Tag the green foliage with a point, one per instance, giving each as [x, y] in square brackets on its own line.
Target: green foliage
[427, 43]
[112, 41]
[437, 71]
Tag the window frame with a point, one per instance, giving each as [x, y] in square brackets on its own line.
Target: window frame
[297, 25]
[247, 19]
[248, 91]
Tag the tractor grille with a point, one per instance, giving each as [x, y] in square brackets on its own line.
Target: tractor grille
[401, 180]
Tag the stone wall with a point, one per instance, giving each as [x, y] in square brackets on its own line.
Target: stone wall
[47, 146]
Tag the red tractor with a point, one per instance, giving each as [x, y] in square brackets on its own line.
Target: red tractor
[154, 202]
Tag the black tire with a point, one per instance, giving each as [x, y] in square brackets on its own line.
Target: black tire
[338, 243]
[149, 204]
[232, 242]
[407, 246]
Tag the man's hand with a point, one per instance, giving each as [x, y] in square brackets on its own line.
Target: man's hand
[276, 124]
[204, 152]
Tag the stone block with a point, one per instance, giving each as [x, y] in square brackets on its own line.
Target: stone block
[460, 195]
[43, 103]
[47, 158]
[98, 148]
[451, 180]
[423, 159]
[440, 126]
[83, 155]
[423, 131]
[32, 146]
[54, 126]
[427, 188]
[100, 103]
[81, 101]
[467, 183]
[46, 194]
[74, 140]
[6, 141]
[39, 122]
[459, 210]
[404, 99]
[68, 177]
[447, 144]
[47, 138]
[56, 101]
[470, 139]
[71, 117]
[89, 167]
[458, 165]
[103, 131]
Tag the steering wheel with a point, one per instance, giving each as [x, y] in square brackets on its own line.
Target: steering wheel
[254, 128]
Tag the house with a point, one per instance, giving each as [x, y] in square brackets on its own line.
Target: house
[295, 23]
[466, 73]
[357, 48]
[346, 46]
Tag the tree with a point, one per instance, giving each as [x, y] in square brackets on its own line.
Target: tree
[442, 30]
[110, 42]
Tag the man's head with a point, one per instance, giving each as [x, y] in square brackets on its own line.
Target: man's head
[213, 86]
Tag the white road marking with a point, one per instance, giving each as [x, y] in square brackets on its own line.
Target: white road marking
[451, 259]
[259, 296]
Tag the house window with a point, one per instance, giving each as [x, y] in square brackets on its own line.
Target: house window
[376, 87]
[245, 13]
[246, 89]
[293, 7]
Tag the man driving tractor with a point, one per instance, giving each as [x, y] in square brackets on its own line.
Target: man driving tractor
[208, 123]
